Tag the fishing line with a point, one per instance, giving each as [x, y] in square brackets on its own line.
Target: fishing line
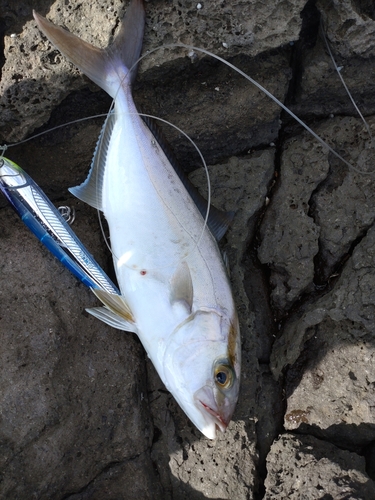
[3, 148]
[106, 115]
[265, 91]
[338, 71]
[77, 120]
[99, 152]
[204, 165]
[247, 77]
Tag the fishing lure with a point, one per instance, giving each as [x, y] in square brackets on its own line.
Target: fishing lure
[49, 226]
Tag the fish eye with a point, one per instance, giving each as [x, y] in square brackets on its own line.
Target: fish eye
[224, 376]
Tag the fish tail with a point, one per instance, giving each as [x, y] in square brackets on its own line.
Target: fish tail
[106, 67]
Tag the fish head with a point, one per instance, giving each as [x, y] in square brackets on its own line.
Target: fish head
[202, 369]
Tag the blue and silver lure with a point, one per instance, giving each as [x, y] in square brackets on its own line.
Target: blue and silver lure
[49, 226]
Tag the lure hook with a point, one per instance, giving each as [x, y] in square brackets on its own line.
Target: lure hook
[67, 213]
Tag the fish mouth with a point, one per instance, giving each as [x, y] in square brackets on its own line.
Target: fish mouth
[218, 419]
[216, 416]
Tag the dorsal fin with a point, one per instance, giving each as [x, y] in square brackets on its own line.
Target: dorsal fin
[90, 191]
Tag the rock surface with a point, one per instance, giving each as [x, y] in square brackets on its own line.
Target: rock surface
[305, 467]
[83, 414]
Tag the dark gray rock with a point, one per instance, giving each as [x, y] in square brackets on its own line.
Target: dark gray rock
[343, 205]
[33, 67]
[71, 388]
[289, 235]
[350, 26]
[329, 349]
[319, 209]
[82, 414]
[320, 92]
[303, 467]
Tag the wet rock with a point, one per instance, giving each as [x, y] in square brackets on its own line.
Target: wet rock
[350, 299]
[369, 454]
[319, 209]
[343, 205]
[334, 395]
[35, 76]
[207, 96]
[320, 92]
[191, 466]
[305, 467]
[28, 97]
[270, 403]
[117, 481]
[70, 386]
[83, 414]
[330, 352]
[222, 28]
[350, 26]
[289, 236]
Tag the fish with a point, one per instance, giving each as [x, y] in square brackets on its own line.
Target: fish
[175, 290]
[45, 221]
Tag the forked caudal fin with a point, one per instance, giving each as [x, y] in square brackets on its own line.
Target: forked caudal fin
[106, 67]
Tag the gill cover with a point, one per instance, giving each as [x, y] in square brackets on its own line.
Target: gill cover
[201, 372]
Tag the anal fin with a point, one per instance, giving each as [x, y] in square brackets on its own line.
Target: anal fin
[116, 304]
[112, 319]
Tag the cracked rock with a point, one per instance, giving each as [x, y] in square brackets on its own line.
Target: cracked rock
[36, 78]
[350, 26]
[320, 208]
[70, 387]
[305, 467]
[330, 353]
[83, 414]
[289, 236]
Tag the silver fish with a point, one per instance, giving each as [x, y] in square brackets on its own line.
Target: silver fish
[175, 292]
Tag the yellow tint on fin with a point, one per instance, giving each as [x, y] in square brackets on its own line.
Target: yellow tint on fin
[112, 319]
[116, 304]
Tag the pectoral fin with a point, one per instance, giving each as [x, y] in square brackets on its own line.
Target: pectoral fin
[112, 319]
[226, 262]
[182, 286]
